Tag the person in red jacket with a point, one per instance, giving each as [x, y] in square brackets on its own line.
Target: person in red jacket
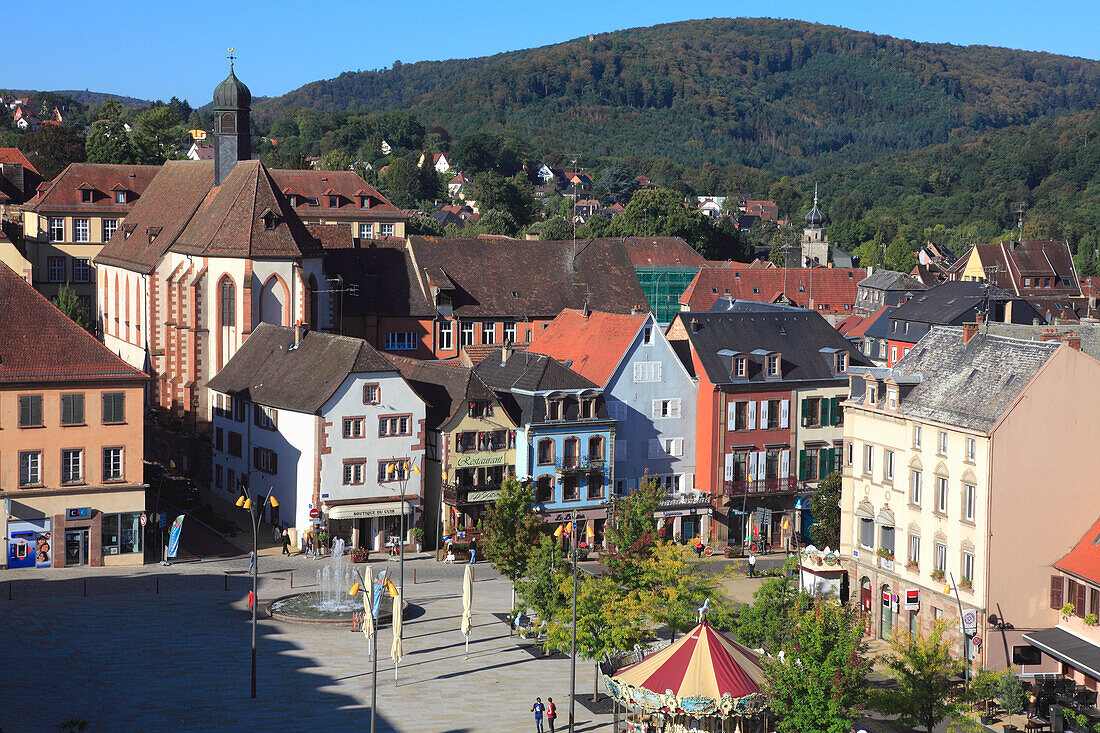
[551, 712]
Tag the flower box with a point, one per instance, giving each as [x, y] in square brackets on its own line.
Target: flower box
[937, 575]
[886, 563]
[912, 566]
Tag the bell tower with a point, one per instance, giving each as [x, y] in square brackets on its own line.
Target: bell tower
[232, 133]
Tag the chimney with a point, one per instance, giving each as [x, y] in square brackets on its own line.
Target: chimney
[979, 318]
[1050, 334]
[694, 325]
[299, 333]
[1072, 340]
[970, 330]
[505, 353]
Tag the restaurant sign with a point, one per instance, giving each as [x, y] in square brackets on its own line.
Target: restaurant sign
[483, 495]
[488, 459]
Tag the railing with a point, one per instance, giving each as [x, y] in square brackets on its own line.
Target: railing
[454, 494]
[762, 486]
[580, 463]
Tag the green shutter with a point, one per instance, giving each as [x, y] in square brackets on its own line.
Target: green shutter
[801, 465]
[805, 412]
[825, 414]
[822, 463]
[834, 410]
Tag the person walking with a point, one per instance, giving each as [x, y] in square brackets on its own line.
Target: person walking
[752, 565]
[311, 551]
[551, 713]
[286, 541]
[537, 709]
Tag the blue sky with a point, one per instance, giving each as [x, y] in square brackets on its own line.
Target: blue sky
[155, 49]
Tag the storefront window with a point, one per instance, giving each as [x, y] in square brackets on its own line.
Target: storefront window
[121, 533]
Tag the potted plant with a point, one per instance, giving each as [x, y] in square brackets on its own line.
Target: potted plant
[966, 582]
[888, 554]
[323, 539]
[1091, 619]
[912, 565]
[1068, 610]
[418, 535]
[360, 554]
[937, 574]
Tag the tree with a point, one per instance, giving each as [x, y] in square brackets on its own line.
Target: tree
[672, 588]
[512, 196]
[401, 182]
[899, 256]
[108, 142]
[335, 160]
[556, 228]
[825, 509]
[819, 684]
[632, 531]
[615, 183]
[423, 225]
[430, 181]
[923, 667]
[158, 134]
[477, 152]
[540, 588]
[52, 147]
[495, 221]
[768, 622]
[511, 531]
[785, 196]
[69, 304]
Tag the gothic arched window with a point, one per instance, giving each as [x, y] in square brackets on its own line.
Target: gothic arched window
[229, 303]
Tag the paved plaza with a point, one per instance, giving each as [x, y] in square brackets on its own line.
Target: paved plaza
[125, 657]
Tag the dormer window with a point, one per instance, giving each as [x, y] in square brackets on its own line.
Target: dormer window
[773, 365]
[872, 395]
[364, 202]
[841, 362]
[293, 200]
[270, 220]
[555, 407]
[333, 202]
[86, 195]
[892, 399]
[740, 366]
[120, 197]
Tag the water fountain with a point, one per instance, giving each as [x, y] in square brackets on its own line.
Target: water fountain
[331, 602]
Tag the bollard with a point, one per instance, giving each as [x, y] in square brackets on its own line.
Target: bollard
[291, 578]
[226, 576]
[473, 574]
[414, 576]
[85, 587]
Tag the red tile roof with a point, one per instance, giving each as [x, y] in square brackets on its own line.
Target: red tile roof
[832, 286]
[63, 193]
[39, 343]
[662, 251]
[347, 184]
[1083, 560]
[15, 155]
[591, 345]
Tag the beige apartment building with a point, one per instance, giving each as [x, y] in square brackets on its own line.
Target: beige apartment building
[967, 461]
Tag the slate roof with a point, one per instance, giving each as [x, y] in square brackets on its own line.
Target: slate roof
[528, 279]
[798, 335]
[169, 202]
[1015, 260]
[946, 303]
[346, 184]
[968, 385]
[835, 287]
[63, 192]
[385, 276]
[732, 305]
[592, 345]
[1089, 333]
[268, 371]
[529, 373]
[444, 387]
[229, 222]
[888, 280]
[39, 343]
[1083, 560]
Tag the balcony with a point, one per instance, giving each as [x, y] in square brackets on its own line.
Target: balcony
[580, 463]
[762, 487]
[461, 495]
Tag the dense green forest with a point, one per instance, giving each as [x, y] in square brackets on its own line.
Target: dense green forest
[783, 95]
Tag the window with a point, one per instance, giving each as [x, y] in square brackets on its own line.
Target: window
[914, 548]
[867, 533]
[86, 195]
[353, 427]
[666, 408]
[72, 466]
[353, 472]
[893, 354]
[888, 465]
[916, 436]
[366, 231]
[265, 417]
[120, 197]
[544, 489]
[57, 229]
[587, 408]
[446, 336]
[872, 395]
[886, 538]
[371, 394]
[812, 415]
[333, 202]
[774, 406]
[112, 464]
[943, 443]
[810, 465]
[673, 446]
[841, 362]
[114, 407]
[466, 333]
[72, 409]
[773, 365]
[30, 411]
[647, 371]
[968, 565]
[219, 476]
[1026, 655]
[851, 450]
[234, 444]
[392, 471]
[238, 409]
[510, 332]
[647, 335]
[488, 333]
[771, 464]
[740, 366]
[571, 487]
[868, 458]
[121, 534]
[941, 495]
[229, 303]
[265, 459]
[55, 269]
[312, 201]
[30, 468]
[546, 452]
[971, 449]
[892, 399]
[595, 485]
[595, 448]
[570, 452]
[219, 439]
[882, 349]
[915, 480]
[401, 341]
[941, 557]
[386, 229]
[740, 466]
[82, 270]
[968, 502]
[396, 425]
[81, 230]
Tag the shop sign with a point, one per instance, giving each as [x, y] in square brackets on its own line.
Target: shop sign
[488, 459]
[483, 495]
[363, 511]
[82, 513]
[970, 622]
[912, 600]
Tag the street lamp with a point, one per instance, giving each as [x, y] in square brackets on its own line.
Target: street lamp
[354, 591]
[255, 513]
[573, 629]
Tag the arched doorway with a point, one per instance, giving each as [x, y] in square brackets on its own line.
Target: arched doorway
[886, 620]
[865, 601]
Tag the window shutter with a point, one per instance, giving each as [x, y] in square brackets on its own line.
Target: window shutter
[785, 464]
[763, 414]
[637, 372]
[655, 448]
[801, 465]
[1079, 603]
[729, 470]
[731, 416]
[674, 407]
[274, 462]
[656, 412]
[1056, 588]
[825, 416]
[677, 446]
[752, 415]
[754, 465]
[657, 376]
[822, 463]
[785, 414]
[805, 412]
[834, 410]
[255, 456]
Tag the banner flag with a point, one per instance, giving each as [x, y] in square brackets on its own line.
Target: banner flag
[174, 536]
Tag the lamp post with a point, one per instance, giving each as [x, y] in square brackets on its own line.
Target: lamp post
[255, 513]
[354, 591]
[573, 629]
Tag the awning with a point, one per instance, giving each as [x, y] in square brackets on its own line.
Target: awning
[1069, 648]
[359, 511]
[864, 511]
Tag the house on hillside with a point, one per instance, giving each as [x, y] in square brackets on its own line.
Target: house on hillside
[885, 287]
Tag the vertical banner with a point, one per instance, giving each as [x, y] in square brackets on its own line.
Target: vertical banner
[174, 536]
[379, 585]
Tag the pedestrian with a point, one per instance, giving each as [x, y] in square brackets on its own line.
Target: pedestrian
[311, 551]
[286, 541]
[752, 565]
[251, 562]
[537, 709]
[275, 532]
[551, 712]
[790, 573]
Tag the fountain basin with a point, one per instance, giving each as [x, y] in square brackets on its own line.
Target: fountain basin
[308, 608]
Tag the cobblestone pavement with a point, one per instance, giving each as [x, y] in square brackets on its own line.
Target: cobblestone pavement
[152, 648]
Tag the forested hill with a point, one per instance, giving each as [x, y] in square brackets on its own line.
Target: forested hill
[781, 94]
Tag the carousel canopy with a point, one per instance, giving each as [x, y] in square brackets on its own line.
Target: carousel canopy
[703, 666]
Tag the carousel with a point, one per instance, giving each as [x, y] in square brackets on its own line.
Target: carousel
[703, 683]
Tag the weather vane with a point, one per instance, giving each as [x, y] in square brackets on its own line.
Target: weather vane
[231, 58]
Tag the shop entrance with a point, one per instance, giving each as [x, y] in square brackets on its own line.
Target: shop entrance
[689, 527]
[865, 601]
[76, 547]
[886, 621]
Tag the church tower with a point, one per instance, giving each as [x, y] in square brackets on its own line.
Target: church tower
[232, 133]
[815, 245]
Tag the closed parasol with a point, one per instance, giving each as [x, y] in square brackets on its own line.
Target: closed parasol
[467, 607]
